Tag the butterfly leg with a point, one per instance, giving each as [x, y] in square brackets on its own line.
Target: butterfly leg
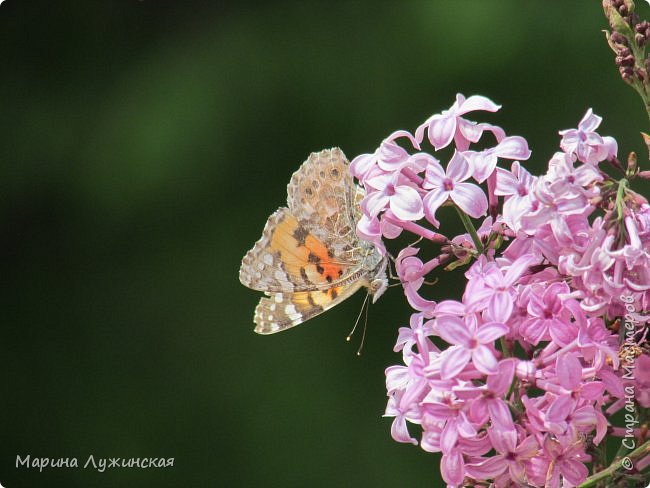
[390, 263]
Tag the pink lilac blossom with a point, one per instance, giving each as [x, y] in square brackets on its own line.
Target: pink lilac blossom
[515, 383]
[450, 184]
[585, 143]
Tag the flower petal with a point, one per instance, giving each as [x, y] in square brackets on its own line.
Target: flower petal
[518, 268]
[528, 448]
[362, 165]
[458, 168]
[500, 383]
[441, 130]
[503, 440]
[500, 307]
[491, 331]
[406, 203]
[482, 163]
[484, 360]
[452, 468]
[500, 414]
[507, 183]
[574, 471]
[560, 409]
[375, 202]
[477, 102]
[453, 330]
[432, 201]
[513, 147]
[453, 360]
[399, 431]
[569, 371]
[434, 174]
[488, 469]
[470, 199]
[592, 391]
[448, 437]
[584, 417]
[590, 121]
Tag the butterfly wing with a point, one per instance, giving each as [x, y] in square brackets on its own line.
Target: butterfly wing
[281, 311]
[312, 244]
[289, 258]
[321, 194]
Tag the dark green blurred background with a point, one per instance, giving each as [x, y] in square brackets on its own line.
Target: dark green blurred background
[143, 145]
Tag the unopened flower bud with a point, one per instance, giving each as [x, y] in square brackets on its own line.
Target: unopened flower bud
[631, 163]
[641, 27]
[625, 60]
[618, 39]
[641, 74]
[646, 137]
[627, 73]
[640, 39]
[525, 370]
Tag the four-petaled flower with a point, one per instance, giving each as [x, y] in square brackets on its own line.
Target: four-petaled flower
[470, 342]
[449, 184]
[585, 143]
[449, 125]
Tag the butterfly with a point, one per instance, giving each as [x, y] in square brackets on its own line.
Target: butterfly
[309, 257]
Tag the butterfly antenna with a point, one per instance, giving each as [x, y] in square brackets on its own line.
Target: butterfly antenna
[365, 326]
[356, 322]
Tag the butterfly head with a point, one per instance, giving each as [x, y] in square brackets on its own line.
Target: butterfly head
[379, 283]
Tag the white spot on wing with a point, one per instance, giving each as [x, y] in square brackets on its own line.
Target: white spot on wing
[286, 286]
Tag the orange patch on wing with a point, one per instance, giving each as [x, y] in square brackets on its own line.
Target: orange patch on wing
[318, 298]
[322, 261]
[310, 259]
[283, 241]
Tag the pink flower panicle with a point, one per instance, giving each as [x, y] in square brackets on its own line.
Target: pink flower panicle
[515, 383]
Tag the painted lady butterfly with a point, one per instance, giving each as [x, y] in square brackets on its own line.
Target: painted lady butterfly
[309, 257]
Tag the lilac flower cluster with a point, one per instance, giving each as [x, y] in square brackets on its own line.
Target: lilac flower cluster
[514, 383]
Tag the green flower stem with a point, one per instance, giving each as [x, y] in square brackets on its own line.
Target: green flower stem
[639, 452]
[469, 227]
[504, 347]
[619, 197]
